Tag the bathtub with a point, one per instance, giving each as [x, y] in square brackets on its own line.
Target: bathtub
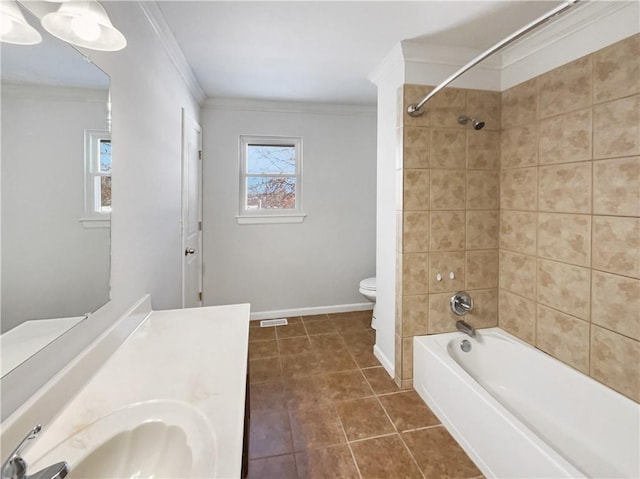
[517, 412]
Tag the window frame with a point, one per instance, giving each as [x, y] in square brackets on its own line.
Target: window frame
[93, 216]
[250, 216]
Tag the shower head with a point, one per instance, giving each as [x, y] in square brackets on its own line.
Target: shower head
[477, 124]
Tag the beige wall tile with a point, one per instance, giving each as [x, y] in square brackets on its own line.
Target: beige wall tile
[416, 190]
[414, 315]
[448, 148]
[564, 337]
[445, 263]
[482, 269]
[398, 358]
[406, 384]
[518, 231]
[565, 88]
[415, 273]
[398, 305]
[565, 188]
[482, 189]
[616, 70]
[400, 109]
[483, 149]
[415, 235]
[441, 319]
[447, 189]
[519, 189]
[446, 106]
[447, 230]
[413, 94]
[482, 229]
[399, 150]
[616, 245]
[485, 309]
[520, 104]
[565, 237]
[616, 128]
[564, 287]
[565, 138]
[614, 303]
[616, 187]
[407, 358]
[485, 105]
[615, 361]
[517, 273]
[519, 147]
[517, 315]
[416, 147]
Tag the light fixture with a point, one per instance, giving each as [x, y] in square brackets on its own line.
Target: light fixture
[13, 26]
[85, 24]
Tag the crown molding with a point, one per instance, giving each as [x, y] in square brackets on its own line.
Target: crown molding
[390, 68]
[418, 52]
[248, 104]
[154, 16]
[427, 64]
[581, 17]
[586, 28]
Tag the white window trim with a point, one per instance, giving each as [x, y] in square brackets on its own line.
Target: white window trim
[245, 216]
[93, 218]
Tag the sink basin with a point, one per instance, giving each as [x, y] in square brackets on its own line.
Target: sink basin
[155, 439]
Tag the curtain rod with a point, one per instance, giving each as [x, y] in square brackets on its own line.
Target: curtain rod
[415, 109]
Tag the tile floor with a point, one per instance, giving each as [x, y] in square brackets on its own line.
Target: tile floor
[322, 406]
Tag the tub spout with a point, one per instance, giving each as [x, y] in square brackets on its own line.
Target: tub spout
[465, 328]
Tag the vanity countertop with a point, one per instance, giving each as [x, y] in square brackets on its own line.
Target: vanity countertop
[197, 356]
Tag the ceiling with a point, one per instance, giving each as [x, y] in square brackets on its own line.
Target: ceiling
[323, 51]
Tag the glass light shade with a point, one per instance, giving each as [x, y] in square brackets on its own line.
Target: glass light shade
[13, 26]
[85, 24]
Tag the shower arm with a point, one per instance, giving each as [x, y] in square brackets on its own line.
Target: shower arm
[415, 109]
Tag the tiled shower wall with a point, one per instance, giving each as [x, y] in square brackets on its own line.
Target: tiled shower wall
[447, 216]
[564, 148]
[569, 214]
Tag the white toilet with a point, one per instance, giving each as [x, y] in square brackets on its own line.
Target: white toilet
[368, 290]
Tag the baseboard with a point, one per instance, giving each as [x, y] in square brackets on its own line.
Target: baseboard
[388, 365]
[287, 313]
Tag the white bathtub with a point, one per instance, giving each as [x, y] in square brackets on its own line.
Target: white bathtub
[518, 412]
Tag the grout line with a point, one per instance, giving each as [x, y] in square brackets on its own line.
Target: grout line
[346, 438]
[363, 439]
[401, 439]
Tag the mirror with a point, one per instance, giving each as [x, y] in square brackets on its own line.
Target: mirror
[56, 192]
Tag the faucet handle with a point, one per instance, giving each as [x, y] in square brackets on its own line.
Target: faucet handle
[461, 303]
[15, 467]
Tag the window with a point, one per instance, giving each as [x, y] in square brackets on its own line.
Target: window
[97, 187]
[270, 180]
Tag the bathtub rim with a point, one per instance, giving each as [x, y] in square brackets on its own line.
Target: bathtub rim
[472, 387]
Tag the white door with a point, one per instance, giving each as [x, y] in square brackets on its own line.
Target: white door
[191, 213]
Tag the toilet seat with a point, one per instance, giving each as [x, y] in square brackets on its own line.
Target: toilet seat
[368, 284]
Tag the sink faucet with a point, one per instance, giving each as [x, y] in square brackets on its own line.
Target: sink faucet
[465, 328]
[15, 466]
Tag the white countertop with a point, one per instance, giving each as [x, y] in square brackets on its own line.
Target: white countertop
[198, 356]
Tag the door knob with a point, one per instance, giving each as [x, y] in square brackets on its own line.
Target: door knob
[189, 251]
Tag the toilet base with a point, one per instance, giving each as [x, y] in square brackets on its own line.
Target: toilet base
[374, 321]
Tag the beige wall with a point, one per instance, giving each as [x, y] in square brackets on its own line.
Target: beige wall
[569, 207]
[559, 158]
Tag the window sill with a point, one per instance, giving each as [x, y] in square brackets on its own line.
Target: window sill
[270, 219]
[91, 223]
